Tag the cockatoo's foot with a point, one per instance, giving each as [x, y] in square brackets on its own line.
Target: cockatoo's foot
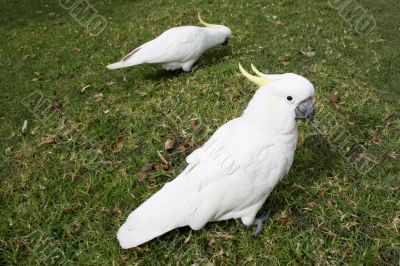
[259, 222]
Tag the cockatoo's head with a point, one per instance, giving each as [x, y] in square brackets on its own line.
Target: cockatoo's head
[282, 99]
[222, 33]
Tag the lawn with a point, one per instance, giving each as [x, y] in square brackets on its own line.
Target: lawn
[71, 177]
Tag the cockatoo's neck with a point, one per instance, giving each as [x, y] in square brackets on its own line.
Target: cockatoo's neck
[215, 37]
[266, 113]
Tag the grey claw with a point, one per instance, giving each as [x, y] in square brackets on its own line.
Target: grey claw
[259, 228]
[260, 223]
[266, 215]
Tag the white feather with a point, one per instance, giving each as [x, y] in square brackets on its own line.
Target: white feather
[231, 175]
[175, 48]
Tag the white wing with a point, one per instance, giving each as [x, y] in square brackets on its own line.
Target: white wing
[178, 44]
[219, 183]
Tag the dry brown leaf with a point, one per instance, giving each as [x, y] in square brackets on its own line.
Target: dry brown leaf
[189, 143]
[333, 98]
[50, 139]
[118, 144]
[169, 144]
[162, 158]
[182, 149]
[165, 167]
[142, 176]
[300, 143]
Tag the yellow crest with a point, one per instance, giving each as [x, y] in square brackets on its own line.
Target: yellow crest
[257, 80]
[208, 25]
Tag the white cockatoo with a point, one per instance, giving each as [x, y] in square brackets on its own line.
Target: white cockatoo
[177, 48]
[234, 172]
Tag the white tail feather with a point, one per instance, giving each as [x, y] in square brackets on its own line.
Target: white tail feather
[132, 238]
[126, 61]
[118, 65]
[161, 213]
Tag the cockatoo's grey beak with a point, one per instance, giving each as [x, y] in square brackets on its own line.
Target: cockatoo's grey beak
[226, 41]
[305, 110]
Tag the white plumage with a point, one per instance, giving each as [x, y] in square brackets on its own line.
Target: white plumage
[176, 48]
[234, 172]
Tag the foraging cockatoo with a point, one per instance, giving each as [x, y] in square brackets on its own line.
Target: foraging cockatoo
[177, 48]
[234, 172]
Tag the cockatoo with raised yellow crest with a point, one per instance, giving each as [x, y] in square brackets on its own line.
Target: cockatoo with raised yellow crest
[177, 48]
[234, 172]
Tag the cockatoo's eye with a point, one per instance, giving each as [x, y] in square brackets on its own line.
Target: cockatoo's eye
[290, 99]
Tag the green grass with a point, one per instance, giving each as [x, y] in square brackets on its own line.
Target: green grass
[56, 206]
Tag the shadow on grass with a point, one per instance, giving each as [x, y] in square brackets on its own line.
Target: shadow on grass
[159, 74]
[313, 162]
[215, 56]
